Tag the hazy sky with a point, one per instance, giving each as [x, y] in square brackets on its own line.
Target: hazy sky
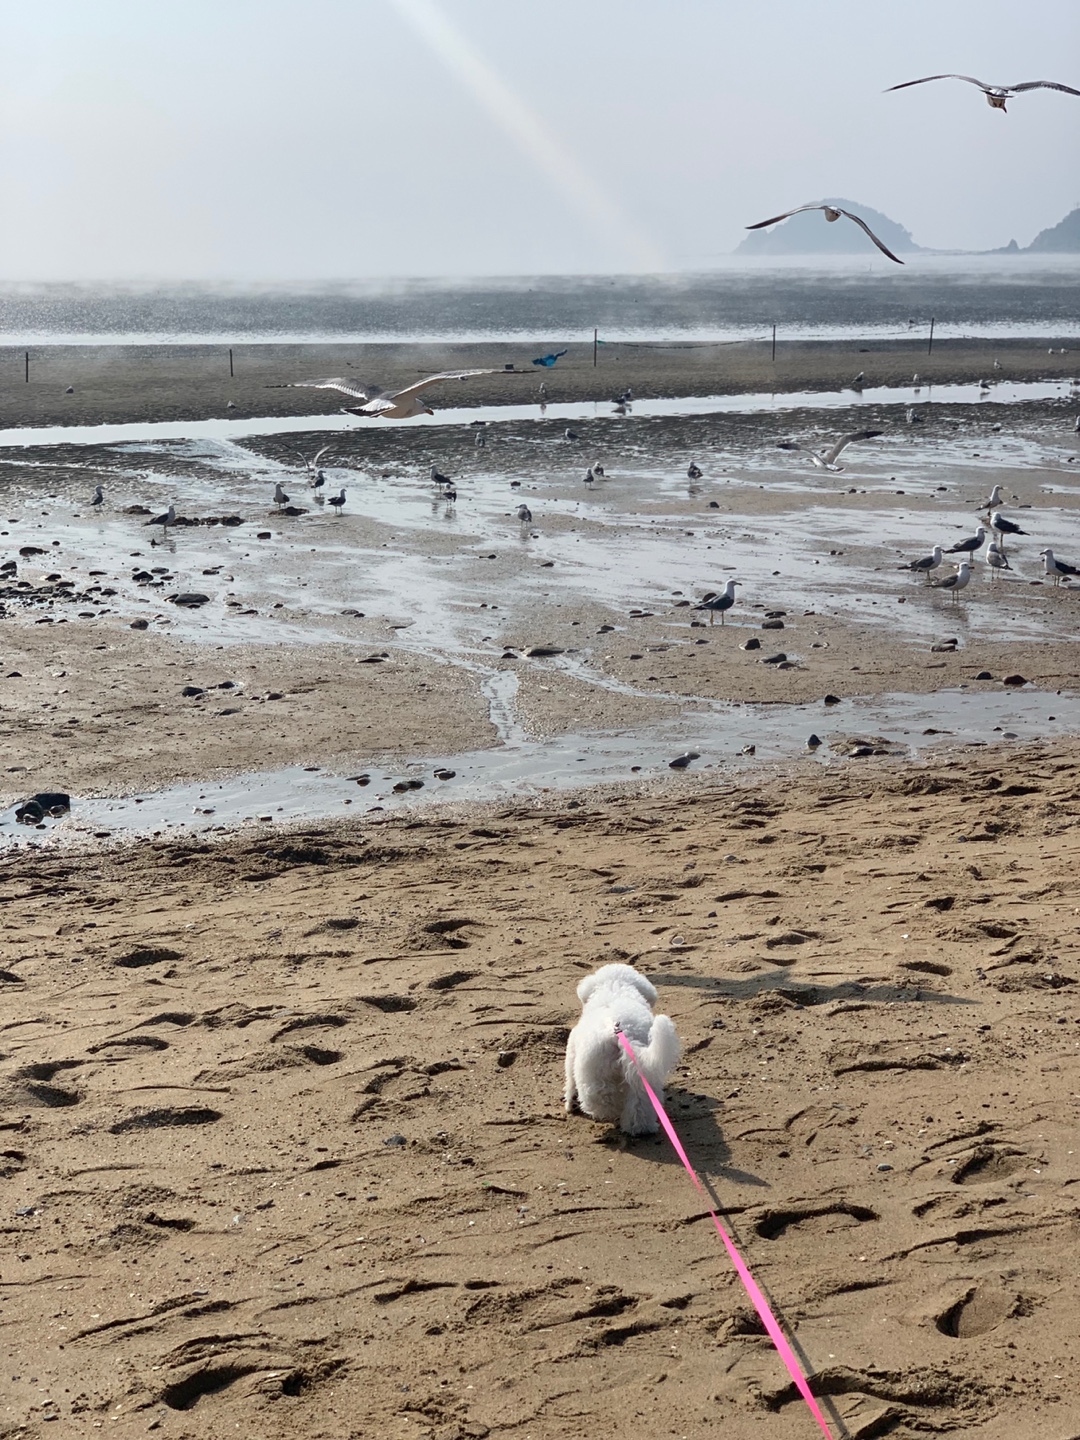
[317, 139]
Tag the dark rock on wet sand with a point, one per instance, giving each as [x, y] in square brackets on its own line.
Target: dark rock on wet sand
[48, 802]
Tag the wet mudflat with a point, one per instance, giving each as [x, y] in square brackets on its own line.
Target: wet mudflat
[412, 625]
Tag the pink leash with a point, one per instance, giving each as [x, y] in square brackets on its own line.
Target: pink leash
[761, 1305]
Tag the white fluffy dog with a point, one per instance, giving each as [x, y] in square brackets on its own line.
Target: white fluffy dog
[599, 1073]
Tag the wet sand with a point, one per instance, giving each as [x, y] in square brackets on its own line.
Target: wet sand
[284, 1151]
[175, 382]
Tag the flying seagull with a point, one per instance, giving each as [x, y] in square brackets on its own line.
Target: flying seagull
[1059, 569]
[549, 360]
[996, 559]
[718, 604]
[926, 564]
[312, 465]
[832, 212]
[954, 583]
[996, 95]
[827, 461]
[397, 405]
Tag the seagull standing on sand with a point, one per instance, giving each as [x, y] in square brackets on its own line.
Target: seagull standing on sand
[338, 501]
[597, 469]
[970, 545]
[997, 497]
[99, 496]
[996, 559]
[398, 405]
[693, 472]
[439, 479]
[280, 498]
[996, 95]
[719, 604]
[1059, 569]
[954, 583]
[827, 461]
[570, 434]
[524, 514]
[169, 518]
[926, 564]
[589, 476]
[832, 212]
[1004, 527]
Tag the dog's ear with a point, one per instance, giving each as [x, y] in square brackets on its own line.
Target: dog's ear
[586, 987]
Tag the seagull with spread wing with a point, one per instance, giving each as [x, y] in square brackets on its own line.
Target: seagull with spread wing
[312, 465]
[832, 212]
[996, 95]
[827, 461]
[397, 405]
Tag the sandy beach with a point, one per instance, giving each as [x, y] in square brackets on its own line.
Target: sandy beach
[284, 1151]
[280, 1124]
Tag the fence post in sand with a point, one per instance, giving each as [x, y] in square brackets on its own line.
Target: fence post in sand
[774, 342]
[931, 345]
[230, 362]
[27, 359]
[594, 344]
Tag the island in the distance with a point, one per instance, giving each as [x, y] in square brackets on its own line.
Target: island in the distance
[808, 234]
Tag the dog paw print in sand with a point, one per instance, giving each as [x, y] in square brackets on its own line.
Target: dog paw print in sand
[875, 1402]
[443, 933]
[980, 1309]
[36, 1084]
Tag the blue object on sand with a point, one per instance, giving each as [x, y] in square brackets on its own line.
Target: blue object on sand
[548, 360]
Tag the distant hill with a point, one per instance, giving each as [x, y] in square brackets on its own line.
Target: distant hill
[1062, 238]
[811, 234]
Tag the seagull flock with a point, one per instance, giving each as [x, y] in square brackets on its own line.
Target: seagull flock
[410, 403]
[1001, 527]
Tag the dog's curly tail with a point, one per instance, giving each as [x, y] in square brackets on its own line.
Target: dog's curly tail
[663, 1051]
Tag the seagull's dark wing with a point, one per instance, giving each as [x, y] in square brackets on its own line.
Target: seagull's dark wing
[762, 224]
[969, 78]
[1042, 85]
[863, 226]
